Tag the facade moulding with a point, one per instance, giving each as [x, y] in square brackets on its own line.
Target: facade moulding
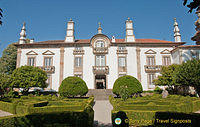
[138, 63]
[19, 51]
[62, 50]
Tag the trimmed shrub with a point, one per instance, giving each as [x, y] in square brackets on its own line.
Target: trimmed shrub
[131, 84]
[8, 107]
[158, 90]
[73, 86]
[142, 110]
[53, 119]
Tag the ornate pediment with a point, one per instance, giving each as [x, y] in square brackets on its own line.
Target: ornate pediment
[166, 51]
[31, 53]
[48, 52]
[150, 51]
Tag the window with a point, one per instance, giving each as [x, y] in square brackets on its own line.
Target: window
[78, 61]
[150, 60]
[48, 61]
[122, 61]
[31, 61]
[100, 44]
[150, 78]
[166, 60]
[100, 60]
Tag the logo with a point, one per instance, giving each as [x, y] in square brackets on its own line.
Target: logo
[118, 121]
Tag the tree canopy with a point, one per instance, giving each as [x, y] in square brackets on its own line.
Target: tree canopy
[189, 74]
[1, 11]
[8, 59]
[167, 77]
[192, 5]
[28, 76]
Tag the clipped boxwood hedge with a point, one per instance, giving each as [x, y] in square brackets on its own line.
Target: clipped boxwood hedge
[62, 119]
[54, 115]
[73, 86]
[127, 82]
[142, 111]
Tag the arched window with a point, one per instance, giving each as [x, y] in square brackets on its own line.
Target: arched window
[100, 44]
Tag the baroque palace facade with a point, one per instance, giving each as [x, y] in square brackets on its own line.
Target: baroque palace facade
[99, 61]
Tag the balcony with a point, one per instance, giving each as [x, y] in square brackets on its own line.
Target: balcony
[122, 69]
[152, 68]
[48, 69]
[122, 51]
[100, 50]
[78, 52]
[100, 70]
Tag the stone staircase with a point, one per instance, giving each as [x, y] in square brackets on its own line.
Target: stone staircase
[100, 94]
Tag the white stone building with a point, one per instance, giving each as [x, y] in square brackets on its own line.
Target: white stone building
[100, 60]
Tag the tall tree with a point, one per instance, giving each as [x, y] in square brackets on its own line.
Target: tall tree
[192, 5]
[1, 11]
[189, 74]
[28, 76]
[8, 59]
[167, 76]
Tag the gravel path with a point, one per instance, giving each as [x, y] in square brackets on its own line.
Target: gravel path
[198, 111]
[2, 113]
[102, 113]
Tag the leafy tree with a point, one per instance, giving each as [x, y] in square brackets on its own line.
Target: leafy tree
[1, 11]
[131, 84]
[189, 74]
[28, 76]
[73, 86]
[4, 83]
[192, 5]
[8, 59]
[167, 76]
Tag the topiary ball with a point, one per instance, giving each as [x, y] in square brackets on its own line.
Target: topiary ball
[73, 86]
[127, 82]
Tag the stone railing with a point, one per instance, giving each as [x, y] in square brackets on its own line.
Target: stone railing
[48, 69]
[76, 52]
[100, 50]
[100, 69]
[122, 51]
[152, 68]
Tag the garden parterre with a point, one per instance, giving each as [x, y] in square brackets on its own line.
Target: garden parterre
[48, 110]
[144, 109]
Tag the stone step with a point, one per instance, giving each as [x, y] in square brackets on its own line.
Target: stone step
[100, 94]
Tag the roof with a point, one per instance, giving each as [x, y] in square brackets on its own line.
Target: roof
[117, 41]
[145, 41]
[186, 46]
[189, 46]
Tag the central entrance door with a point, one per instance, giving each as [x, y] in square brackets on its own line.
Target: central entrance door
[100, 81]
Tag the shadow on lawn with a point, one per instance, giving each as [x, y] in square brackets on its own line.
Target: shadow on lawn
[163, 119]
[173, 119]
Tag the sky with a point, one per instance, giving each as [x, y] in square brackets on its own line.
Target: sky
[46, 19]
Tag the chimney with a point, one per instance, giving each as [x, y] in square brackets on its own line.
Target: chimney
[70, 32]
[130, 37]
